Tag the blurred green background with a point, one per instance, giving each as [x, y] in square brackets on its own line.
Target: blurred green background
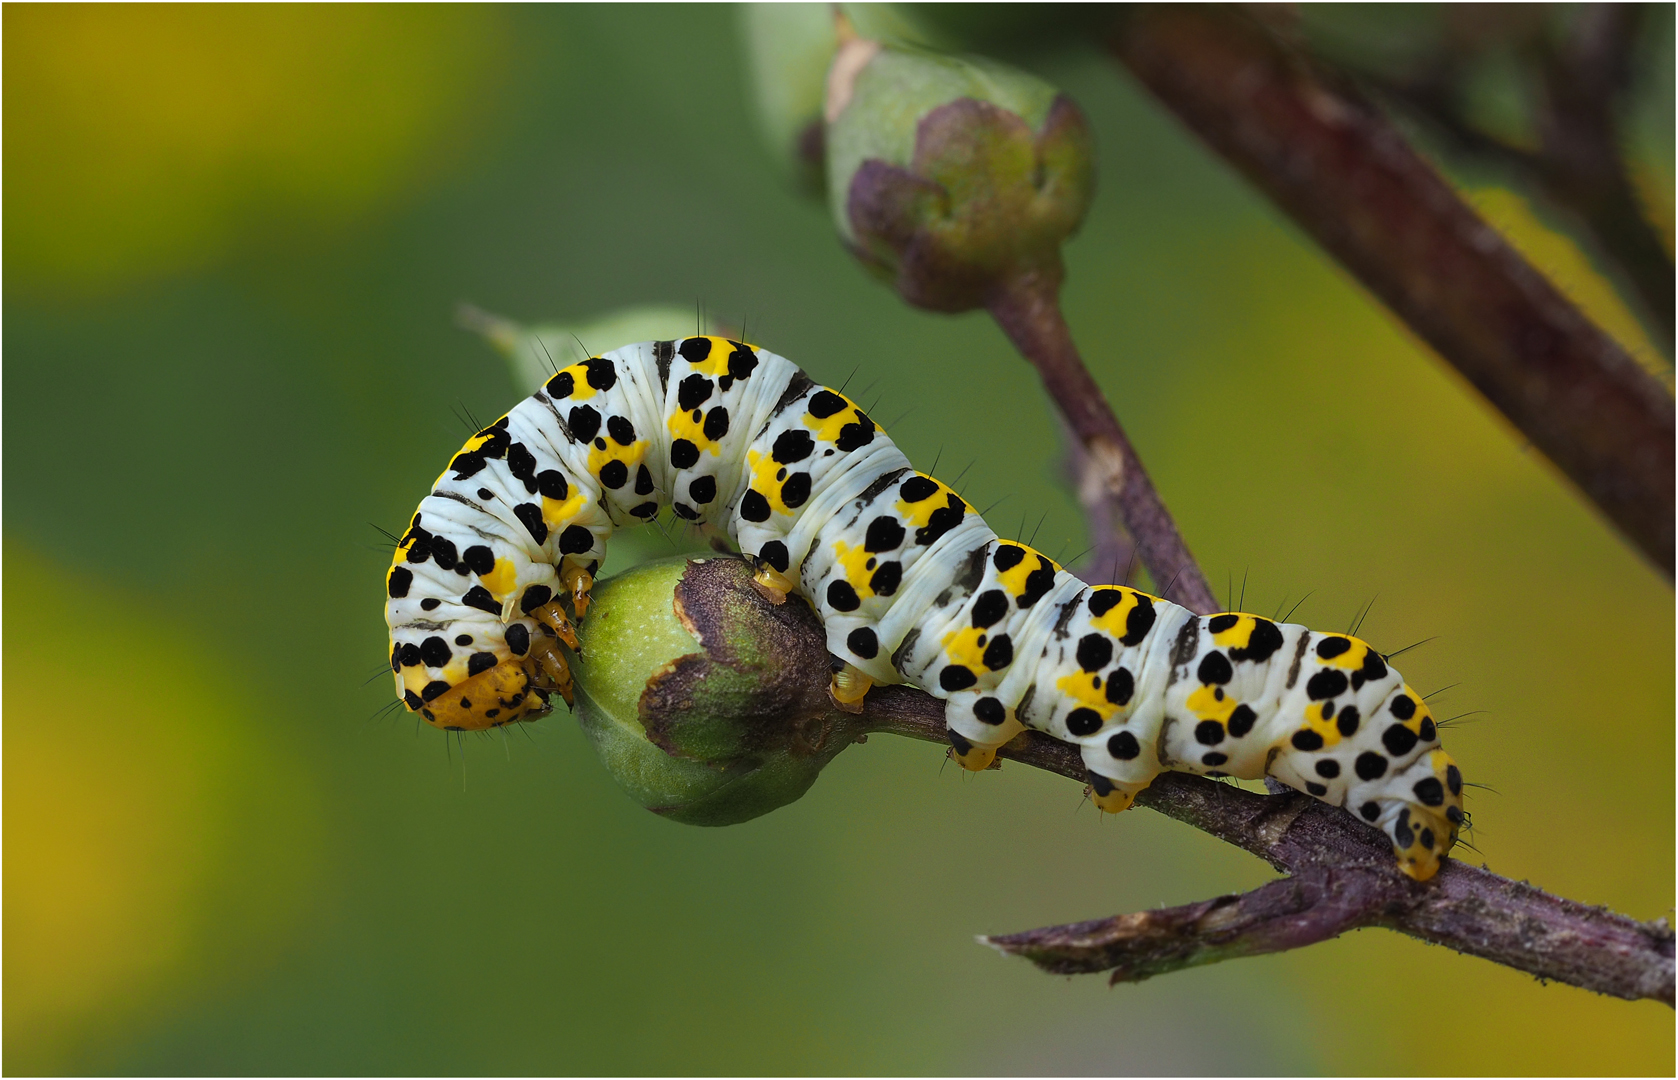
[235, 238]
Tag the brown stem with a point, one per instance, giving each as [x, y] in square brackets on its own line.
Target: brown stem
[1113, 554]
[1579, 166]
[1342, 873]
[1341, 876]
[1027, 307]
[1340, 169]
[1311, 906]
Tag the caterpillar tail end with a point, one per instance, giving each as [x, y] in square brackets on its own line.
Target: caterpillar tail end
[848, 688]
[508, 693]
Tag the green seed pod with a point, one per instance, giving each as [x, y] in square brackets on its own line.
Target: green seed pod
[953, 176]
[706, 703]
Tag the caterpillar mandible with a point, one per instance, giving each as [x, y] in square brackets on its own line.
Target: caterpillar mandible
[909, 582]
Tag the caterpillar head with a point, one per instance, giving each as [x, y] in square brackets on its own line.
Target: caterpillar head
[506, 686]
[502, 695]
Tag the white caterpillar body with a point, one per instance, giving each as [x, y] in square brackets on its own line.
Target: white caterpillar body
[910, 583]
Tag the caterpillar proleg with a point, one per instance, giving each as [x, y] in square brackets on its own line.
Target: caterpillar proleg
[910, 583]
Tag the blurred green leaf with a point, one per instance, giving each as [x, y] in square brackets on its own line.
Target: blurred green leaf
[789, 47]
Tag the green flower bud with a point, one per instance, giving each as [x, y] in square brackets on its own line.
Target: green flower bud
[952, 177]
[706, 703]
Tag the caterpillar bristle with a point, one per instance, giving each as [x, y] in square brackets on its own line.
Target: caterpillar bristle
[464, 417]
[1357, 622]
[1289, 616]
[1172, 584]
[1400, 652]
[548, 356]
[1038, 529]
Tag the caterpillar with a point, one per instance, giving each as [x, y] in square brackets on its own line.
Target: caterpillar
[910, 583]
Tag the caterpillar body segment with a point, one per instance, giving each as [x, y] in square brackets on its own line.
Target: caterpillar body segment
[910, 583]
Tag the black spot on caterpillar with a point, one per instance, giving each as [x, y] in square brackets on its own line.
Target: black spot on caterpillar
[910, 583]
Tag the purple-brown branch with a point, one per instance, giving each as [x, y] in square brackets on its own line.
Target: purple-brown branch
[1341, 877]
[1580, 165]
[1027, 307]
[1577, 395]
[1112, 553]
[1581, 76]
[1344, 173]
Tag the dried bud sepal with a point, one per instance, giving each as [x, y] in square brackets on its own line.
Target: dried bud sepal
[697, 695]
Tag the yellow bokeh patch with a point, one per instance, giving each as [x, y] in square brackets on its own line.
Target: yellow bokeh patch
[158, 839]
[153, 139]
